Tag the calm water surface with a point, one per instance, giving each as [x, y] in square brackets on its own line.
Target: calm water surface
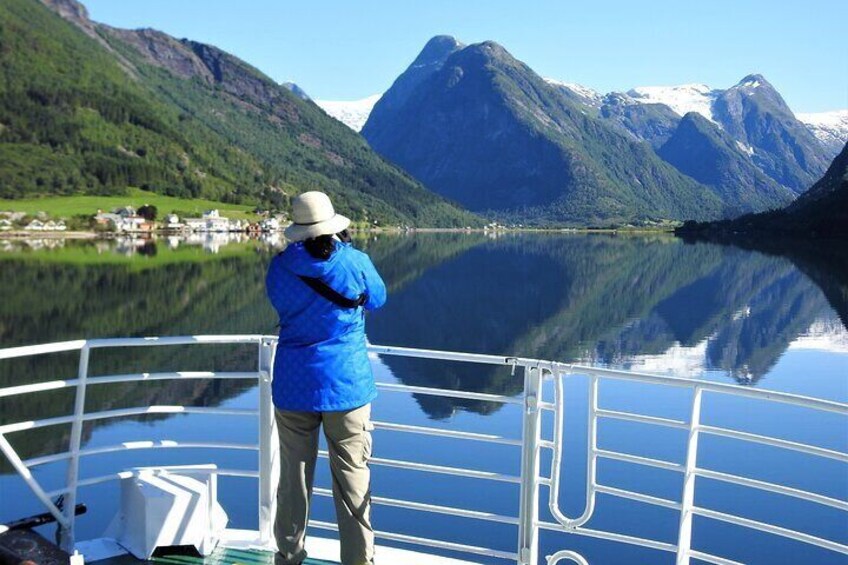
[650, 304]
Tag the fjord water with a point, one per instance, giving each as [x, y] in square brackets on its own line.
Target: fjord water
[651, 304]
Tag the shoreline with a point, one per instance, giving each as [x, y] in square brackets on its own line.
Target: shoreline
[77, 234]
[74, 234]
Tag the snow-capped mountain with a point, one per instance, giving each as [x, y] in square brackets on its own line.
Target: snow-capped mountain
[682, 99]
[831, 128]
[352, 113]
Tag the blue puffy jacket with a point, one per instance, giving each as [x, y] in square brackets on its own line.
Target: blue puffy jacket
[322, 364]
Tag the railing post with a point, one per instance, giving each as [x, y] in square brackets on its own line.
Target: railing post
[684, 539]
[268, 449]
[528, 529]
[66, 537]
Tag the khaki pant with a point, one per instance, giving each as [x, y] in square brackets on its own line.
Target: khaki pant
[348, 436]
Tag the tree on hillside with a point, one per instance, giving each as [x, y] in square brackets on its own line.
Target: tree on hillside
[148, 212]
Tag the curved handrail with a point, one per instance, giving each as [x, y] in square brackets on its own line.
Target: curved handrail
[570, 555]
[591, 458]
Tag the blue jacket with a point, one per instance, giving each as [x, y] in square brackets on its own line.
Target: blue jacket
[321, 363]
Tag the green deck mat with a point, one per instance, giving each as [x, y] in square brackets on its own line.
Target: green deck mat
[221, 556]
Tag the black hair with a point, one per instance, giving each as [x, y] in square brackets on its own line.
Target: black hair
[322, 247]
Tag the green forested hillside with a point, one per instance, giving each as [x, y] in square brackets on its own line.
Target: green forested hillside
[85, 108]
[74, 121]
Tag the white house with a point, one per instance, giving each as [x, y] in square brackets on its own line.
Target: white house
[214, 221]
[172, 222]
[218, 224]
[195, 224]
[270, 224]
[211, 221]
[132, 224]
[35, 225]
[5, 225]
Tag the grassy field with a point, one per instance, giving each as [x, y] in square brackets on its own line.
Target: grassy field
[68, 206]
[87, 253]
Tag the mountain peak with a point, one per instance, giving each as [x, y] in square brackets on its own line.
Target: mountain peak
[436, 51]
[442, 41]
[489, 49]
[430, 60]
[753, 80]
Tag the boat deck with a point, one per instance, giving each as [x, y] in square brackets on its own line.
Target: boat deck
[240, 547]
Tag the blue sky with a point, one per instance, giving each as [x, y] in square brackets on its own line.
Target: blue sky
[344, 50]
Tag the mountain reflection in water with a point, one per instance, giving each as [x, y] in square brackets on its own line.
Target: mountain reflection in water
[647, 303]
[650, 304]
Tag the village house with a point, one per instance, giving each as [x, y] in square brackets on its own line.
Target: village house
[270, 224]
[172, 223]
[215, 222]
[211, 221]
[35, 225]
[124, 220]
[106, 218]
[5, 225]
[196, 224]
[134, 224]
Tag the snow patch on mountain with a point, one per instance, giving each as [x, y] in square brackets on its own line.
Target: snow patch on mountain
[745, 148]
[829, 127]
[753, 83]
[682, 99]
[352, 113]
[592, 97]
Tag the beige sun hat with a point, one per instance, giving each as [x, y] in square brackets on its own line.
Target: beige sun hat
[313, 215]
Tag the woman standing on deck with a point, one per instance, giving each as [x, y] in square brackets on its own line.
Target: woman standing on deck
[321, 286]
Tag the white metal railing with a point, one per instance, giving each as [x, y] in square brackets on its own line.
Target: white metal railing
[528, 521]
